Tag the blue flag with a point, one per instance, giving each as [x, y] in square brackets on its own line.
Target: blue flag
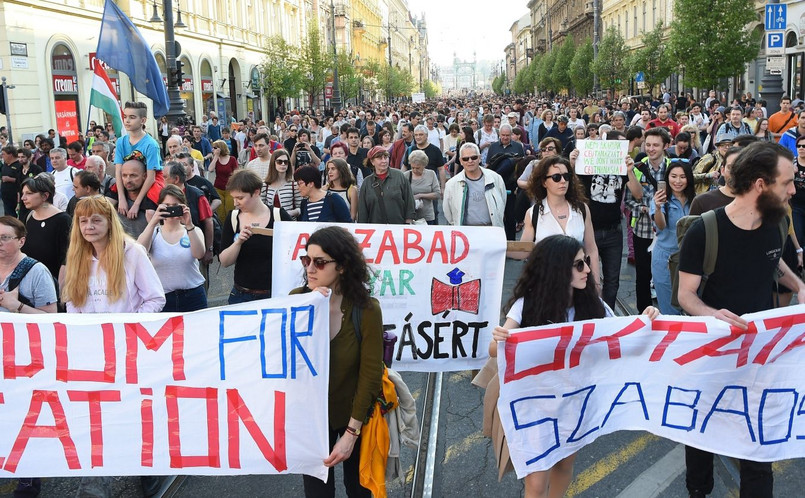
[122, 47]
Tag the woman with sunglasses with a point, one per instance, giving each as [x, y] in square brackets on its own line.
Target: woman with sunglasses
[279, 188]
[670, 204]
[548, 147]
[560, 207]
[555, 287]
[334, 265]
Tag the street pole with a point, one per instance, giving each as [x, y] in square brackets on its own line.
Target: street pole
[336, 100]
[772, 85]
[596, 35]
[7, 110]
[172, 52]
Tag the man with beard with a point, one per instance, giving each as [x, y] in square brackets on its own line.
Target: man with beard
[133, 174]
[762, 180]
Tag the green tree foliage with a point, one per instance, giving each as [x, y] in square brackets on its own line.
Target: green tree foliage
[533, 72]
[710, 40]
[519, 86]
[349, 77]
[611, 65]
[394, 82]
[653, 58]
[315, 64]
[281, 75]
[429, 88]
[545, 77]
[497, 84]
[561, 74]
[581, 74]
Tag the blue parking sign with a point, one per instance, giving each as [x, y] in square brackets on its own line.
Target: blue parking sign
[774, 40]
[776, 14]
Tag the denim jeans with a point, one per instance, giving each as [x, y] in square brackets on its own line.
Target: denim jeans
[642, 269]
[757, 479]
[316, 488]
[662, 280]
[186, 300]
[610, 250]
[236, 296]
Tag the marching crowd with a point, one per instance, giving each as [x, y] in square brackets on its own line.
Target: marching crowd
[132, 224]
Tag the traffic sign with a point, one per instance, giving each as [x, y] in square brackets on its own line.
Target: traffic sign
[774, 43]
[775, 65]
[640, 76]
[776, 16]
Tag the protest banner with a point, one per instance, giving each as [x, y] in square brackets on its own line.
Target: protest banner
[601, 157]
[439, 287]
[235, 390]
[693, 380]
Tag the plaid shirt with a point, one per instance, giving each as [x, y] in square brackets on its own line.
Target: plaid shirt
[641, 222]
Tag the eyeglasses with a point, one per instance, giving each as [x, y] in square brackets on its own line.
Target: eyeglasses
[578, 264]
[292, 129]
[469, 158]
[549, 149]
[281, 161]
[557, 177]
[319, 263]
[7, 238]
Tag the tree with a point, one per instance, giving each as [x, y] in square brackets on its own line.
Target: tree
[710, 40]
[653, 58]
[564, 56]
[518, 86]
[580, 70]
[545, 77]
[314, 63]
[610, 66]
[281, 75]
[349, 78]
[497, 84]
[394, 82]
[429, 88]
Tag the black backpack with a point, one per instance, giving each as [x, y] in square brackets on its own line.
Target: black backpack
[19, 273]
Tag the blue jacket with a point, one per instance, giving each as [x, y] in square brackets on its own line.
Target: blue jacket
[334, 209]
[789, 140]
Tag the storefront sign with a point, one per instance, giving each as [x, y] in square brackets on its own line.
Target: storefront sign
[67, 119]
[187, 85]
[206, 86]
[65, 85]
[20, 49]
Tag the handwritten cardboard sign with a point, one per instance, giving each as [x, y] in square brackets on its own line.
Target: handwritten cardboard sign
[601, 157]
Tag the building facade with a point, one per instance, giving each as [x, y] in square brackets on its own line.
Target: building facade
[222, 49]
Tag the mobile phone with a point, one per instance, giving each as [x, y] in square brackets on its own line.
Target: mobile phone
[661, 185]
[173, 211]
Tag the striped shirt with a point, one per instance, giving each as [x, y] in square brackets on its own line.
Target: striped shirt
[289, 196]
[314, 210]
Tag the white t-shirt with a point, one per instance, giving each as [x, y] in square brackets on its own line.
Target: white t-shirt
[548, 224]
[434, 135]
[64, 181]
[174, 263]
[259, 166]
[516, 313]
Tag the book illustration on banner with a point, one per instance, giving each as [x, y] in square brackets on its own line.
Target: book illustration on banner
[456, 295]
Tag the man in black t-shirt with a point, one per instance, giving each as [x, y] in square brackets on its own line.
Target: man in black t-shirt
[749, 250]
[133, 174]
[356, 155]
[605, 194]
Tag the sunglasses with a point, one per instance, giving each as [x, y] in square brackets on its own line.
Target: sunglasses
[549, 149]
[578, 264]
[319, 263]
[469, 158]
[281, 161]
[800, 146]
[558, 177]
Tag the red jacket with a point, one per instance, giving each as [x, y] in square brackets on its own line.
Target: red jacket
[398, 149]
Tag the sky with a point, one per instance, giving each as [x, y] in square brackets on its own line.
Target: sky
[462, 26]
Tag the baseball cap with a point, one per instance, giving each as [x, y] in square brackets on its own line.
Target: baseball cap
[562, 118]
[722, 138]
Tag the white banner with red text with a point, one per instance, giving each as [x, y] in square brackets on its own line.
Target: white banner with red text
[234, 390]
[439, 287]
[694, 380]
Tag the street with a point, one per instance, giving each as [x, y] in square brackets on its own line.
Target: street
[623, 464]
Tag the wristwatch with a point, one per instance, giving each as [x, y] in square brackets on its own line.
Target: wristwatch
[354, 432]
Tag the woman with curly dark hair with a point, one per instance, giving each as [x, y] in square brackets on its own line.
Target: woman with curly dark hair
[334, 265]
[559, 207]
[554, 288]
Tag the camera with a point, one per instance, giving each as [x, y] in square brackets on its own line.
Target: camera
[173, 211]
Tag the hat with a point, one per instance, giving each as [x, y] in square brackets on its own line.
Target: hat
[376, 151]
[513, 115]
[723, 138]
[562, 119]
[720, 109]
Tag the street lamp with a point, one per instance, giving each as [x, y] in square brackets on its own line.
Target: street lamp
[336, 100]
[174, 68]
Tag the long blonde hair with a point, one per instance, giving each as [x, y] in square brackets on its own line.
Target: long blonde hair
[79, 254]
[695, 140]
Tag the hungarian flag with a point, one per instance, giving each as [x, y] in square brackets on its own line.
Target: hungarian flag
[103, 96]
